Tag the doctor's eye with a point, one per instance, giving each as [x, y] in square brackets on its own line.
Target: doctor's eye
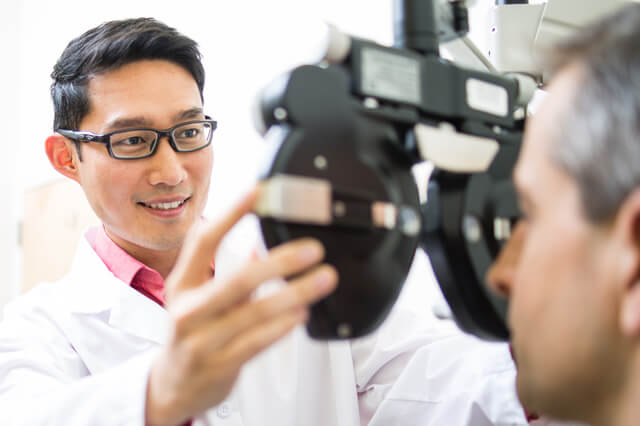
[191, 132]
[133, 140]
[130, 143]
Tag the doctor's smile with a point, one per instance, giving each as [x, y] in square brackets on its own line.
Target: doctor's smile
[166, 207]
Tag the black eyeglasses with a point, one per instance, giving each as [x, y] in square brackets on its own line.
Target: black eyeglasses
[132, 144]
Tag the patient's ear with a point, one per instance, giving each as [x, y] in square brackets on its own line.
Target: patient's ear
[61, 156]
[627, 228]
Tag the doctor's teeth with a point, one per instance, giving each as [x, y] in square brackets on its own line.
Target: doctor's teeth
[166, 206]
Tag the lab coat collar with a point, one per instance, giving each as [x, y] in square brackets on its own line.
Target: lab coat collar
[95, 290]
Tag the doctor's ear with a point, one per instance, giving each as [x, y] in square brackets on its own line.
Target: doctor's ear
[62, 156]
[627, 228]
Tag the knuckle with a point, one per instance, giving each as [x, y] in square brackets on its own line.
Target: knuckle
[238, 284]
[317, 281]
[294, 253]
[244, 280]
[181, 319]
[286, 254]
[263, 309]
[253, 346]
[191, 355]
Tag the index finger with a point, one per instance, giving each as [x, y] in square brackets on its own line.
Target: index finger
[193, 266]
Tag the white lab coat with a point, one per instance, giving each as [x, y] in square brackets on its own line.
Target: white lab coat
[78, 352]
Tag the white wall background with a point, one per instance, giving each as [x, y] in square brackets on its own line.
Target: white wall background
[245, 43]
[10, 187]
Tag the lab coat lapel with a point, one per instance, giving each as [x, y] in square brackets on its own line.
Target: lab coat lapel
[136, 314]
[96, 291]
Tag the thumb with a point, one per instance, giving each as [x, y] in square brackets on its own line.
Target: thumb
[193, 266]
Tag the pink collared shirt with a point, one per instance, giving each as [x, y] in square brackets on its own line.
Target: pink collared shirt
[125, 267]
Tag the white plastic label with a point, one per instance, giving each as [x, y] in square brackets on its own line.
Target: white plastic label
[391, 76]
[487, 97]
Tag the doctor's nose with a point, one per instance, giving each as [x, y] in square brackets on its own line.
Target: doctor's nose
[167, 165]
[501, 274]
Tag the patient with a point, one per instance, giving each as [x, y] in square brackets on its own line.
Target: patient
[572, 268]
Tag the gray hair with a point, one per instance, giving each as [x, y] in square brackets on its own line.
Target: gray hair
[599, 141]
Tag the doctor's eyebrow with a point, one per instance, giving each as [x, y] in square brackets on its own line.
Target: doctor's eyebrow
[195, 112]
[129, 122]
[123, 123]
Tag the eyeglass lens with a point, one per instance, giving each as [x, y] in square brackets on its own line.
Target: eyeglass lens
[139, 143]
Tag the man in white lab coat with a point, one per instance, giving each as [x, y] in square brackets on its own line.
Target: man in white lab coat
[572, 268]
[99, 348]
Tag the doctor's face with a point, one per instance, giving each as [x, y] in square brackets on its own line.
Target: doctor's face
[149, 203]
[555, 272]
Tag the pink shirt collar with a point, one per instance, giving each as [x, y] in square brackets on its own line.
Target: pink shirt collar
[125, 267]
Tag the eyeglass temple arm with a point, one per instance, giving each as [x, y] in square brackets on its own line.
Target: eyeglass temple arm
[76, 137]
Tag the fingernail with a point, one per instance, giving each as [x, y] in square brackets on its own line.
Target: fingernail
[311, 252]
[324, 279]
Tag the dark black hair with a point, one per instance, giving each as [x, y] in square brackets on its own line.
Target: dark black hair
[108, 47]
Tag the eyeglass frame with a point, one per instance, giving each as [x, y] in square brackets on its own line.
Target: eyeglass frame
[78, 136]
